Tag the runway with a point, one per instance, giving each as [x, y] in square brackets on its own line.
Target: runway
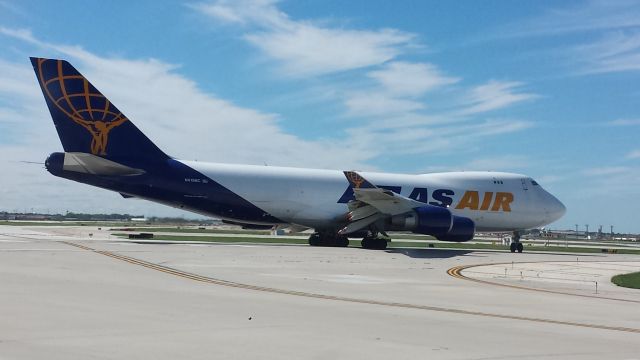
[68, 296]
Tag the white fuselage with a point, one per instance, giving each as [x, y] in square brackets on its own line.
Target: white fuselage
[495, 201]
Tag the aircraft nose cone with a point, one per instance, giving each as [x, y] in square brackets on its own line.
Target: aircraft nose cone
[556, 208]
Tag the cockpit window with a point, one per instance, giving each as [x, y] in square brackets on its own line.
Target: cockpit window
[534, 183]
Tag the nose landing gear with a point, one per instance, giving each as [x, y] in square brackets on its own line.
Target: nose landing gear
[516, 245]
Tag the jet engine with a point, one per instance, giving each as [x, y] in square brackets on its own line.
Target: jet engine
[428, 220]
[462, 230]
[435, 221]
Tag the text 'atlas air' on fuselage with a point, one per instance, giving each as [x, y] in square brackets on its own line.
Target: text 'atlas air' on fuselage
[103, 148]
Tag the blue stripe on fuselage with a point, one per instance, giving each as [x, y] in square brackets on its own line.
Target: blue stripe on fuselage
[173, 183]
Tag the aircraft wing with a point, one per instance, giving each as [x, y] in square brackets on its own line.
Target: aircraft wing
[384, 201]
[373, 203]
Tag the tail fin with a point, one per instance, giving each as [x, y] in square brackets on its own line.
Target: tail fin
[85, 119]
[356, 181]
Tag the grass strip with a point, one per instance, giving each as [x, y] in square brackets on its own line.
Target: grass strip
[62, 223]
[394, 244]
[631, 280]
[192, 230]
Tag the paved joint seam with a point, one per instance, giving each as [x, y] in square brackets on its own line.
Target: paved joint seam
[209, 280]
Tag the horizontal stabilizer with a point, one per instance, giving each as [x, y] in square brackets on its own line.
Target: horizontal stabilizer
[96, 165]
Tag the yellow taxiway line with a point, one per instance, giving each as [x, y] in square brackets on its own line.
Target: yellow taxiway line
[456, 272]
[209, 280]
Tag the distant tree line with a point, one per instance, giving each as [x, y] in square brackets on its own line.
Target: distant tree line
[73, 216]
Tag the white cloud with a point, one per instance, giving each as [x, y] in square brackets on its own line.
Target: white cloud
[398, 85]
[11, 7]
[391, 105]
[608, 180]
[635, 154]
[586, 16]
[304, 48]
[411, 120]
[499, 163]
[378, 104]
[170, 107]
[615, 52]
[220, 12]
[614, 24]
[507, 163]
[399, 124]
[17, 80]
[410, 79]
[183, 120]
[494, 95]
[431, 139]
[403, 125]
[550, 179]
[607, 170]
[178, 116]
[261, 13]
[313, 50]
[624, 122]
[21, 34]
[485, 128]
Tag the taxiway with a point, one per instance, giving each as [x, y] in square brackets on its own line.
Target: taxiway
[66, 295]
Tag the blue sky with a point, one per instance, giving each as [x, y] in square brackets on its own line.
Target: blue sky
[545, 88]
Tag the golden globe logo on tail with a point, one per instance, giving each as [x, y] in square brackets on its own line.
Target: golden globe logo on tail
[82, 107]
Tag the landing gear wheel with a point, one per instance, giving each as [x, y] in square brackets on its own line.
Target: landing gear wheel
[314, 240]
[342, 241]
[328, 239]
[516, 245]
[374, 243]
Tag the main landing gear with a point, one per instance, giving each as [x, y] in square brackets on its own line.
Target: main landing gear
[328, 239]
[375, 241]
[516, 245]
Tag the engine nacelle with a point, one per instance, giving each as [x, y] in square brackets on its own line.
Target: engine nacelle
[462, 230]
[428, 220]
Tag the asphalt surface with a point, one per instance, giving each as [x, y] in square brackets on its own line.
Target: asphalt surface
[68, 295]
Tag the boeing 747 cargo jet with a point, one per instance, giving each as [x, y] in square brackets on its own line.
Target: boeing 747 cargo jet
[103, 148]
